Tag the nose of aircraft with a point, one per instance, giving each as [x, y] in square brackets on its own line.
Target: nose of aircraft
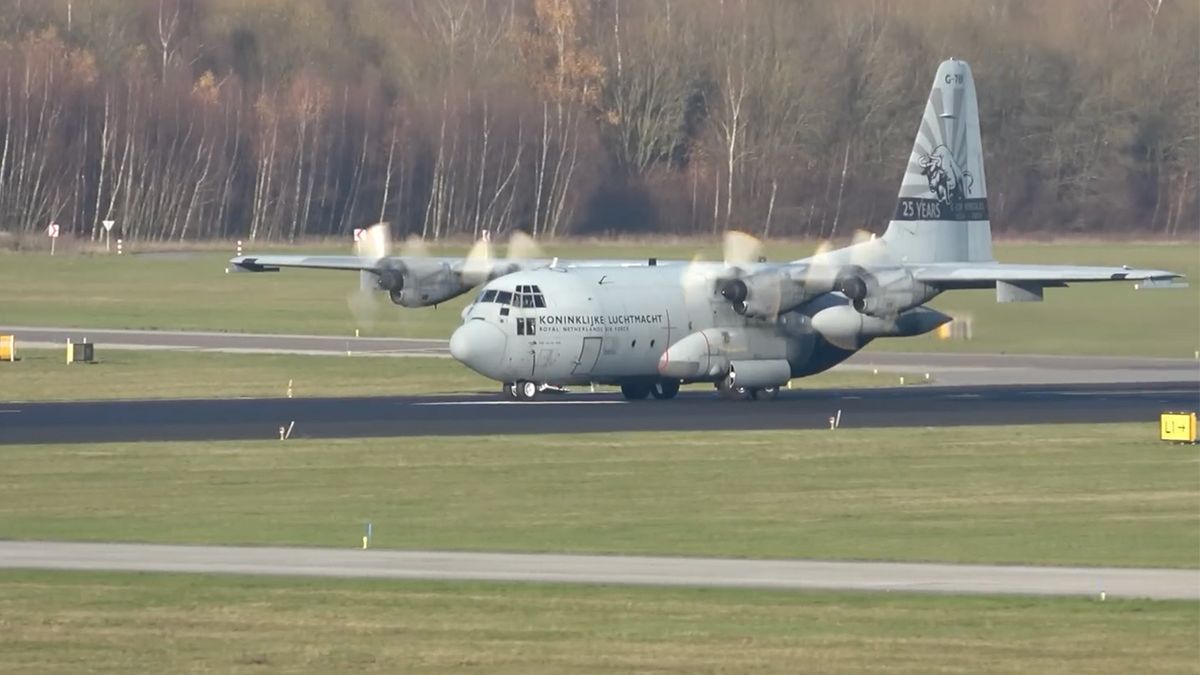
[479, 345]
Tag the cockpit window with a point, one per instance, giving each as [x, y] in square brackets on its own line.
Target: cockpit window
[503, 297]
[489, 296]
[528, 297]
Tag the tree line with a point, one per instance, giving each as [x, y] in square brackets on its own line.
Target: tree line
[282, 119]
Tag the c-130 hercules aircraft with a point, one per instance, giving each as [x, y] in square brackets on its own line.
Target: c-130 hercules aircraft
[745, 325]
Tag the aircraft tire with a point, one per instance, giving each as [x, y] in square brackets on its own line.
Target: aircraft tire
[635, 391]
[664, 389]
[526, 390]
[731, 392]
[508, 391]
[764, 394]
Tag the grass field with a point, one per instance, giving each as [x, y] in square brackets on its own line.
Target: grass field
[190, 291]
[121, 623]
[43, 375]
[1090, 495]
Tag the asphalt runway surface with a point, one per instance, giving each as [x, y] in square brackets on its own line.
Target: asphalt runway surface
[945, 368]
[1160, 584]
[489, 414]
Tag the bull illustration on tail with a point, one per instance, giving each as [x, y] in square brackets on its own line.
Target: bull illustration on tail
[947, 180]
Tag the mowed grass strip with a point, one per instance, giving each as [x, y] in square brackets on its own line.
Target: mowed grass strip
[1077, 495]
[191, 292]
[124, 623]
[43, 375]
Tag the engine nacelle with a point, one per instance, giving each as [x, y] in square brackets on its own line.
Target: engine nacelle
[420, 283]
[884, 293]
[765, 295]
[844, 327]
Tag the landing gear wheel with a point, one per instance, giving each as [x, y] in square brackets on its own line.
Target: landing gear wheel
[664, 389]
[732, 392]
[526, 390]
[635, 391]
[508, 391]
[764, 394]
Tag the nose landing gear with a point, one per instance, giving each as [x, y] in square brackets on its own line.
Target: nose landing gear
[523, 390]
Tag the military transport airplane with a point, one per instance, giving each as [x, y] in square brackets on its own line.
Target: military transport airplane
[745, 325]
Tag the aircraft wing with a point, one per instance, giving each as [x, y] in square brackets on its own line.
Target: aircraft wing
[986, 275]
[273, 263]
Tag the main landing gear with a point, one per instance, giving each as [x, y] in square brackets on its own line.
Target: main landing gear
[660, 389]
[732, 392]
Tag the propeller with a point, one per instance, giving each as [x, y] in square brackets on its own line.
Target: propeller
[702, 279]
[740, 248]
[374, 245]
[521, 246]
[477, 266]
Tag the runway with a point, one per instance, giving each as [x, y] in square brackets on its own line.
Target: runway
[945, 368]
[1160, 584]
[488, 414]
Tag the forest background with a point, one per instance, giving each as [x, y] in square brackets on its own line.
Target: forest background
[286, 119]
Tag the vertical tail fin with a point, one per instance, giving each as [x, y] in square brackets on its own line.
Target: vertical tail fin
[942, 213]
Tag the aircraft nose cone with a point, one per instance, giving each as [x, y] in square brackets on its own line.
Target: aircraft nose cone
[478, 345]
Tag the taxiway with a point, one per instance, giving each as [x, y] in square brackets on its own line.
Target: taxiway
[1161, 584]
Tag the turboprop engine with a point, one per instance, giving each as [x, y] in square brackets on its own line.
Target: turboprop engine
[418, 283]
[884, 293]
[765, 295]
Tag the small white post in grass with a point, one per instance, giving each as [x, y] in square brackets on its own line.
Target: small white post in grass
[52, 232]
[108, 226]
[902, 380]
[289, 390]
[1103, 595]
[874, 371]
[927, 378]
[832, 422]
[355, 332]
[282, 431]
